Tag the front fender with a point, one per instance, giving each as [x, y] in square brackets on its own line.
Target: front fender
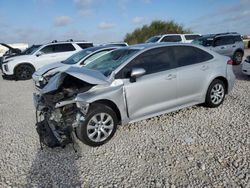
[111, 93]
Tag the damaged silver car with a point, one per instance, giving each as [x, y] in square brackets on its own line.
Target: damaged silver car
[128, 85]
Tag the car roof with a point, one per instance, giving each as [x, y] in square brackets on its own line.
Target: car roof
[69, 41]
[144, 46]
[220, 34]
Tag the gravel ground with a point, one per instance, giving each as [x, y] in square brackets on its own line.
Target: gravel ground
[194, 147]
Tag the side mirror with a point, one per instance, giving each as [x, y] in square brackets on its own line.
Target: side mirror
[136, 73]
[39, 53]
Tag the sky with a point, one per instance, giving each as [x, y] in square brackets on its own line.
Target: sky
[41, 21]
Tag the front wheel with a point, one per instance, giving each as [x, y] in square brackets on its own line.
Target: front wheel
[24, 72]
[99, 126]
[215, 94]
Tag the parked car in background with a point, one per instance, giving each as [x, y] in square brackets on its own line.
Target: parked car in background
[7, 50]
[12, 48]
[27, 51]
[127, 85]
[184, 38]
[79, 59]
[246, 66]
[228, 44]
[22, 67]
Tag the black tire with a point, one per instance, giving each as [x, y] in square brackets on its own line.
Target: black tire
[210, 99]
[82, 131]
[237, 58]
[248, 44]
[24, 72]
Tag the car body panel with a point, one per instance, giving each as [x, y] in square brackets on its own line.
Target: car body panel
[144, 103]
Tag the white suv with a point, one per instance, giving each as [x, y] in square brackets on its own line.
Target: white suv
[22, 67]
[184, 38]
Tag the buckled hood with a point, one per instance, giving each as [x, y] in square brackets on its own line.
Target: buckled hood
[87, 75]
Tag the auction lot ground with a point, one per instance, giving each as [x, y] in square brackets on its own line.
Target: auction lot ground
[194, 147]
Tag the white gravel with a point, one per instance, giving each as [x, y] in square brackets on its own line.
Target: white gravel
[194, 147]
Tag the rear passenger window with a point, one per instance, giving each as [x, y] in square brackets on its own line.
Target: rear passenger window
[188, 55]
[172, 38]
[237, 38]
[85, 45]
[153, 61]
[226, 40]
[64, 47]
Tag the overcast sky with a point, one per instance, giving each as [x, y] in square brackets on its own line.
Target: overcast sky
[40, 21]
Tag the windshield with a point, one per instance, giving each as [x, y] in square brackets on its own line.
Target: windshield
[30, 50]
[77, 57]
[153, 39]
[204, 41]
[107, 63]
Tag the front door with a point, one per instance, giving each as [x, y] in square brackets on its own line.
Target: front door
[155, 91]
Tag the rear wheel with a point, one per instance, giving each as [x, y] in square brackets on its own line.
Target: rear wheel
[237, 58]
[215, 94]
[24, 72]
[99, 126]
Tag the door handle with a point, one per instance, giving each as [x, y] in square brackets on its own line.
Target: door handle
[234, 46]
[170, 76]
[204, 67]
[222, 47]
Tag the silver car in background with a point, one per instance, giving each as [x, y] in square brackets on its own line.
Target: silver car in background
[128, 85]
[229, 44]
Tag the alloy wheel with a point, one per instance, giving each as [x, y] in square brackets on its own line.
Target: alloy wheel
[99, 127]
[217, 93]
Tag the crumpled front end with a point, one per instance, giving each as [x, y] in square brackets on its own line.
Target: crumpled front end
[56, 123]
[58, 112]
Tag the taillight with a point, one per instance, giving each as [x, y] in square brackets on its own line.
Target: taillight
[230, 62]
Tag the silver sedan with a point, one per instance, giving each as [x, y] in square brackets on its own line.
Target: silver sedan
[128, 85]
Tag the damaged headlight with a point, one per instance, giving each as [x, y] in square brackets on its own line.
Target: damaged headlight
[42, 81]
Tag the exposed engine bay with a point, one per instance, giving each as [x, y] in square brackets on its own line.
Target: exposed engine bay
[55, 124]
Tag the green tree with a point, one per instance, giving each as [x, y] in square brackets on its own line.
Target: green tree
[156, 27]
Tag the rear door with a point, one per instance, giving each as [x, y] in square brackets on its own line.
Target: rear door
[194, 67]
[224, 45]
[156, 90]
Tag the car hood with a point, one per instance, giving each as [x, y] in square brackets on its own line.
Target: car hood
[19, 58]
[87, 75]
[51, 67]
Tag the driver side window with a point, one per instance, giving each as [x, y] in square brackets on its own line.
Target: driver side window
[153, 61]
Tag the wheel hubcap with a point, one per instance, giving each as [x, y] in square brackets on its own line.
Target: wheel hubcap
[217, 94]
[99, 127]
